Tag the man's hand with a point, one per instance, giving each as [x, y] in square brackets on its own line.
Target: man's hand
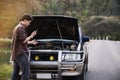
[33, 34]
[34, 42]
[30, 37]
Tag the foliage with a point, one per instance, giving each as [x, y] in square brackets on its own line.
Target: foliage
[88, 7]
[5, 71]
[10, 11]
[104, 7]
[103, 27]
[64, 7]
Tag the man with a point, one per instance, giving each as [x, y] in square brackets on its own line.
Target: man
[19, 49]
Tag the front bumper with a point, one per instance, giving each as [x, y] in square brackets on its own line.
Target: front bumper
[72, 69]
[56, 69]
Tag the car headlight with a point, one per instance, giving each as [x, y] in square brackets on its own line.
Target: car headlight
[71, 57]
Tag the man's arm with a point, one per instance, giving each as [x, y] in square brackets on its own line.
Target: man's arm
[34, 42]
[22, 35]
[29, 37]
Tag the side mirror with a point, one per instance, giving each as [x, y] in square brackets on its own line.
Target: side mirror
[85, 39]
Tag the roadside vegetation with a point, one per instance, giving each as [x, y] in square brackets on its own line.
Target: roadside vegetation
[5, 71]
[5, 66]
[83, 10]
[11, 11]
[103, 27]
[5, 42]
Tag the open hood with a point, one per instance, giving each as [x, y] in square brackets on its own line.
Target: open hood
[54, 27]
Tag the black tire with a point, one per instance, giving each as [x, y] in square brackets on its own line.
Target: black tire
[86, 63]
[86, 68]
[82, 76]
[69, 78]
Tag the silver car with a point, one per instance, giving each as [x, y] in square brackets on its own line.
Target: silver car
[61, 53]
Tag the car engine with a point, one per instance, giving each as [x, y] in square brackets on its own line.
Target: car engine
[53, 44]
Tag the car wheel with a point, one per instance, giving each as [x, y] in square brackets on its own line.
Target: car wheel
[69, 78]
[86, 63]
[86, 68]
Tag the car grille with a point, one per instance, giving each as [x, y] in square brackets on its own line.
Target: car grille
[43, 56]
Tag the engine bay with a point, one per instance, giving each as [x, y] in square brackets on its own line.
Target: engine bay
[54, 44]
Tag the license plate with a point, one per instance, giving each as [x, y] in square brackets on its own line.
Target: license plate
[43, 76]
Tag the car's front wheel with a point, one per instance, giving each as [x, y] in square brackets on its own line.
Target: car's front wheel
[67, 78]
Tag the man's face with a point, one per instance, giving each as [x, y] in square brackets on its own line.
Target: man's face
[27, 23]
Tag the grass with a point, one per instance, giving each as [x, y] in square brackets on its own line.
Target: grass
[5, 71]
[5, 46]
[5, 42]
[5, 68]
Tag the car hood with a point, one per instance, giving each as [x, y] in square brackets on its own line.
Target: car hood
[54, 27]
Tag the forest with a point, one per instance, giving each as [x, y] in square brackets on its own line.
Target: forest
[98, 18]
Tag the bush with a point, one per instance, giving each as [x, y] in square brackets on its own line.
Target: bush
[5, 71]
[104, 26]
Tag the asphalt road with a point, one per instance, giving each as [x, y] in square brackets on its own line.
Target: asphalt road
[104, 60]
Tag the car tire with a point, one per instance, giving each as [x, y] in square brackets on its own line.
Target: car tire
[82, 76]
[69, 78]
[86, 63]
[86, 69]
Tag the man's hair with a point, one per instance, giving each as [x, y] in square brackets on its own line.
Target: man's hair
[26, 17]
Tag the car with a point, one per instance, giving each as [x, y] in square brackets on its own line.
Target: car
[61, 53]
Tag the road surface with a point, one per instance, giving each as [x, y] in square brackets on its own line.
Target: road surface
[104, 60]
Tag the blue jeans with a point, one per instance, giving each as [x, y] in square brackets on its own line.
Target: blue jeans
[21, 64]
